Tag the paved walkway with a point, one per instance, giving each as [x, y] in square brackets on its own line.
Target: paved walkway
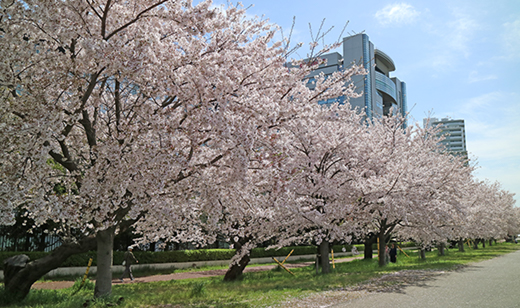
[491, 283]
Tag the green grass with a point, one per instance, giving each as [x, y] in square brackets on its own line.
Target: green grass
[259, 289]
[145, 270]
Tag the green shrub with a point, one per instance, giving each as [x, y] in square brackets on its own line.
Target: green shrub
[284, 251]
[147, 257]
[33, 255]
[342, 248]
[82, 259]
[407, 244]
[400, 244]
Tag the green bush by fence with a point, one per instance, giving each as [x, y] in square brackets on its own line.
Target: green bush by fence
[147, 257]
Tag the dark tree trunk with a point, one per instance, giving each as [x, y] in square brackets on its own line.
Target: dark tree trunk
[42, 245]
[423, 254]
[388, 237]
[490, 242]
[440, 247]
[15, 243]
[324, 249]
[105, 246]
[235, 270]
[369, 251]
[152, 247]
[21, 280]
[382, 248]
[460, 243]
[483, 243]
[27, 246]
[475, 244]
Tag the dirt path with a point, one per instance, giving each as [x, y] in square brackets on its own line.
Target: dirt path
[54, 285]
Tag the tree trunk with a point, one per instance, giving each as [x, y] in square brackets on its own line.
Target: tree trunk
[105, 245]
[440, 247]
[15, 243]
[41, 243]
[27, 242]
[423, 254]
[235, 270]
[460, 243]
[324, 257]
[21, 280]
[483, 243]
[490, 242]
[475, 244]
[382, 248]
[369, 252]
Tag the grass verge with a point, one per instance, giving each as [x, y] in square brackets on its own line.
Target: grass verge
[259, 289]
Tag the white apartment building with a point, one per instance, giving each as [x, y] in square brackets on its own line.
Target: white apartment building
[453, 132]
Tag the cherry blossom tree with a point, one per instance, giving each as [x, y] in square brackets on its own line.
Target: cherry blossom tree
[321, 146]
[484, 211]
[118, 103]
[491, 213]
[262, 206]
[118, 114]
[109, 109]
[220, 209]
[407, 182]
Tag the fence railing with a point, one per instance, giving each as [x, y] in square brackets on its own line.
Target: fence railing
[29, 243]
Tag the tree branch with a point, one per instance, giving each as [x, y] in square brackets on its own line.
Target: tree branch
[133, 20]
[104, 18]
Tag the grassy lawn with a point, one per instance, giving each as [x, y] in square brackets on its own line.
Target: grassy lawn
[145, 271]
[259, 289]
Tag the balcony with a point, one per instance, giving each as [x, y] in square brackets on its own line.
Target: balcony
[386, 85]
[385, 59]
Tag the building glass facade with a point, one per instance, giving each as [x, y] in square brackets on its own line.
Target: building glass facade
[367, 63]
[381, 94]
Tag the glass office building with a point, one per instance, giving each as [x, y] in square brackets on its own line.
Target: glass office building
[381, 93]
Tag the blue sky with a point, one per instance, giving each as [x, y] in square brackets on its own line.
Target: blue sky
[458, 58]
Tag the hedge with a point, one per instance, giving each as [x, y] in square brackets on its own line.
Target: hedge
[147, 257]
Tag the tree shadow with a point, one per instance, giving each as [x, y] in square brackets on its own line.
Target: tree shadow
[397, 282]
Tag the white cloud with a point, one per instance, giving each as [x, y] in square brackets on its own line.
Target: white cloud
[460, 33]
[511, 39]
[492, 136]
[492, 117]
[452, 37]
[397, 14]
[475, 76]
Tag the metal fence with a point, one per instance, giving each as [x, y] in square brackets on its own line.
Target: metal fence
[29, 242]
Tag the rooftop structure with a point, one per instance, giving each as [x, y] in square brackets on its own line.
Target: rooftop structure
[380, 91]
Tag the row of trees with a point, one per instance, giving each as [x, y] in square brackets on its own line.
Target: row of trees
[185, 123]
